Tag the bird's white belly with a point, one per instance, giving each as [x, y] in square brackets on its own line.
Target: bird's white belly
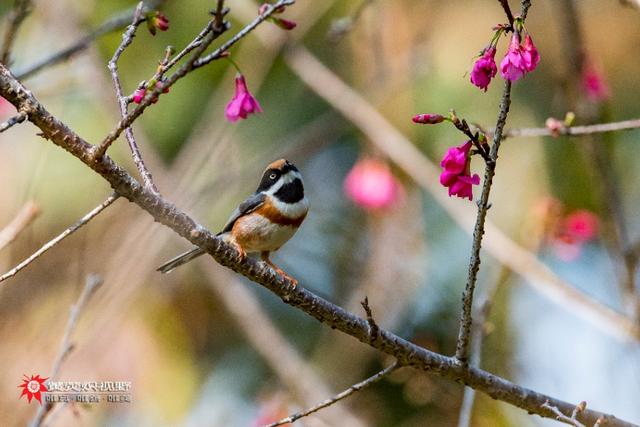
[256, 233]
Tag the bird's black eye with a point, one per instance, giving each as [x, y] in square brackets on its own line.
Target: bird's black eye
[273, 176]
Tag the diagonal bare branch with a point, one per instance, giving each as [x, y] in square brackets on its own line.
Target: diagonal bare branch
[53, 242]
[127, 38]
[338, 397]
[20, 11]
[92, 284]
[23, 218]
[18, 118]
[114, 23]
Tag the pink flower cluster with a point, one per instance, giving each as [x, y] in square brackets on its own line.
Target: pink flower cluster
[519, 60]
[243, 103]
[456, 174]
[371, 185]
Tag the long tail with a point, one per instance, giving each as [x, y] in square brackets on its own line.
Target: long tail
[168, 266]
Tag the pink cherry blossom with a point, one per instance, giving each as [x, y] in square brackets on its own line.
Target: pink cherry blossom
[285, 24]
[371, 185]
[456, 175]
[530, 54]
[594, 83]
[243, 103]
[484, 69]
[513, 65]
[582, 225]
[428, 119]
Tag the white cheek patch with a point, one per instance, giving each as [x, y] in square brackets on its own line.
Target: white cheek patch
[291, 210]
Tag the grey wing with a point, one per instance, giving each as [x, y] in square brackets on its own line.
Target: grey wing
[252, 203]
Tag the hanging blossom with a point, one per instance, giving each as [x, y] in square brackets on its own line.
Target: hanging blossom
[371, 185]
[456, 175]
[157, 21]
[519, 59]
[285, 24]
[243, 103]
[484, 69]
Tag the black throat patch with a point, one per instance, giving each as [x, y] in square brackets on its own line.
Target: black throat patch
[291, 193]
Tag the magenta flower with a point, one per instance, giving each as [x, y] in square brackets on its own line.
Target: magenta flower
[428, 119]
[581, 225]
[285, 24]
[530, 54]
[594, 83]
[157, 21]
[456, 175]
[513, 65]
[243, 103]
[139, 94]
[484, 69]
[371, 185]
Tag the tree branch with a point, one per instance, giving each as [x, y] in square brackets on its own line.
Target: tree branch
[193, 63]
[127, 38]
[407, 353]
[338, 397]
[20, 11]
[18, 118]
[92, 283]
[114, 23]
[23, 218]
[50, 244]
[573, 130]
[462, 346]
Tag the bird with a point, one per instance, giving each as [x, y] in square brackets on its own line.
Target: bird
[265, 220]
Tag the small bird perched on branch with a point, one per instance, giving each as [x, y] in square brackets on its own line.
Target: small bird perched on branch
[265, 221]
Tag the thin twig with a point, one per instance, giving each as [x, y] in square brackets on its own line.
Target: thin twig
[50, 244]
[507, 11]
[580, 407]
[127, 38]
[20, 11]
[479, 332]
[462, 345]
[573, 130]
[18, 118]
[23, 218]
[374, 330]
[338, 397]
[246, 30]
[92, 283]
[114, 23]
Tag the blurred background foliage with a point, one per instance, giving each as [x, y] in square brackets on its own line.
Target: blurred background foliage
[183, 345]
